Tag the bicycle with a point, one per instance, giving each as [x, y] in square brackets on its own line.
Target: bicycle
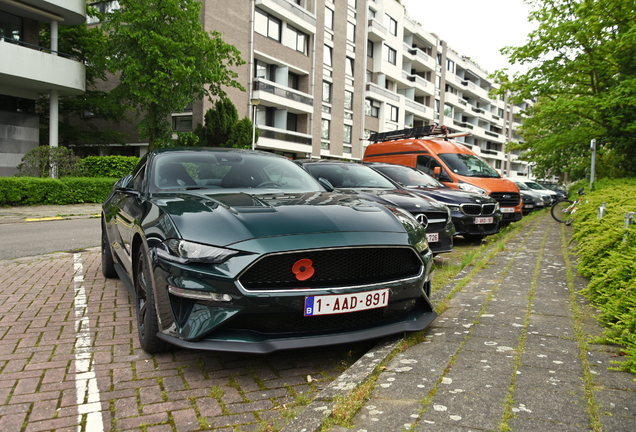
[563, 210]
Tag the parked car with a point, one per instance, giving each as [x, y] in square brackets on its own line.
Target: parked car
[360, 180]
[563, 194]
[554, 197]
[240, 250]
[540, 200]
[474, 215]
[453, 163]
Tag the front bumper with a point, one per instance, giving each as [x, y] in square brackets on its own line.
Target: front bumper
[464, 224]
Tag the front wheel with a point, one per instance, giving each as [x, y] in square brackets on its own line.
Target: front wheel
[147, 320]
[560, 210]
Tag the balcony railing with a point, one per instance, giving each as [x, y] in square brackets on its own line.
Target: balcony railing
[39, 48]
[492, 134]
[383, 92]
[462, 124]
[490, 152]
[294, 95]
[284, 135]
[379, 28]
[294, 9]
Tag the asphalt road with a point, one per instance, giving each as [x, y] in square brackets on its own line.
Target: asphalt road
[36, 238]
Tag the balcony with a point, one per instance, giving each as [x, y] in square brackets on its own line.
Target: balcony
[34, 70]
[387, 94]
[492, 134]
[377, 32]
[464, 125]
[278, 139]
[418, 108]
[282, 96]
[421, 59]
[290, 12]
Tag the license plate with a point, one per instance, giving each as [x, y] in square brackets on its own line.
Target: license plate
[345, 303]
[484, 220]
[432, 237]
[528, 206]
[507, 209]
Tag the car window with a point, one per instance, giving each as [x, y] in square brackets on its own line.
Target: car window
[139, 174]
[409, 177]
[522, 186]
[227, 170]
[534, 186]
[349, 175]
[468, 165]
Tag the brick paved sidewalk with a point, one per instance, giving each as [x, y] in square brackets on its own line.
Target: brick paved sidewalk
[69, 357]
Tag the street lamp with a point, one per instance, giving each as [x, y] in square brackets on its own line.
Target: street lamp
[255, 103]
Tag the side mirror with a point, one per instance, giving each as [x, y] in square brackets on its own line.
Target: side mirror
[437, 172]
[325, 183]
[124, 186]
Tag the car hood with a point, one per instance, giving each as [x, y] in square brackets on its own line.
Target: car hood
[454, 196]
[407, 200]
[226, 218]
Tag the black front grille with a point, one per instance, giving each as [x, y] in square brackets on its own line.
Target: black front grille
[335, 267]
[297, 323]
[471, 209]
[488, 209]
[506, 199]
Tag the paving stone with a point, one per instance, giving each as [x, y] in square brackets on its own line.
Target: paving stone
[523, 424]
[465, 409]
[387, 415]
[403, 386]
[550, 405]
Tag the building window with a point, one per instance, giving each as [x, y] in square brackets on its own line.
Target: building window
[326, 92]
[390, 24]
[103, 7]
[346, 149]
[295, 40]
[10, 27]
[324, 145]
[326, 109]
[391, 55]
[328, 18]
[346, 138]
[448, 110]
[292, 122]
[501, 112]
[371, 13]
[369, 76]
[351, 32]
[348, 100]
[292, 81]
[182, 123]
[395, 113]
[436, 105]
[352, 3]
[267, 25]
[498, 164]
[372, 108]
[349, 66]
[324, 129]
[450, 65]
[327, 55]
[370, 47]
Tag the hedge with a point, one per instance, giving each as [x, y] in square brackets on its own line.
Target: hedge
[22, 191]
[607, 256]
[108, 166]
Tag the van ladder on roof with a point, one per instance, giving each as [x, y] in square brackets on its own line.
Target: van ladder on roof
[413, 133]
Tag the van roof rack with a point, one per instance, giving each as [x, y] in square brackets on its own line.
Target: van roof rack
[414, 133]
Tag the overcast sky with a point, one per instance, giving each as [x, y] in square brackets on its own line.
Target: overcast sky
[475, 28]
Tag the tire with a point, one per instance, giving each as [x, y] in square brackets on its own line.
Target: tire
[147, 321]
[108, 262]
[558, 210]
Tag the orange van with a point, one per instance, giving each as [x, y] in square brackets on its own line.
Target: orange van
[429, 150]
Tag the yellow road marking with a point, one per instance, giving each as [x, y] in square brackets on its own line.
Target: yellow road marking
[43, 219]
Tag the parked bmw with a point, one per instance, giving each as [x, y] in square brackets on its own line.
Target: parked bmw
[238, 250]
[474, 215]
[360, 180]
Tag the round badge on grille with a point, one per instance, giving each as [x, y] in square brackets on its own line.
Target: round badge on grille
[421, 218]
[303, 269]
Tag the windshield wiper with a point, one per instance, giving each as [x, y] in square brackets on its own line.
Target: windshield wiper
[188, 188]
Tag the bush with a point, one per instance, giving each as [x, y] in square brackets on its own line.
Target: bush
[37, 162]
[21, 191]
[607, 255]
[108, 166]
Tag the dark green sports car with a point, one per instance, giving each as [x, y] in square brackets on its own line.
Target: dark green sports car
[239, 250]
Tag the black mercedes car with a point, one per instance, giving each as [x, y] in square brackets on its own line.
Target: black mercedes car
[474, 215]
[360, 180]
[240, 250]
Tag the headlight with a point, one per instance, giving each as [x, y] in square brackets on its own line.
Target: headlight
[185, 252]
[496, 206]
[422, 245]
[453, 207]
[470, 188]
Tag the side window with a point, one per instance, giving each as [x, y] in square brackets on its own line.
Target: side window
[139, 174]
[422, 164]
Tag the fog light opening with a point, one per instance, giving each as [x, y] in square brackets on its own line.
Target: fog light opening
[199, 295]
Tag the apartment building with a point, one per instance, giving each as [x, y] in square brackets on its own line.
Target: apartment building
[28, 70]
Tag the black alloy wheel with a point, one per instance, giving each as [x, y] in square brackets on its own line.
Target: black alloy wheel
[108, 262]
[559, 210]
[147, 321]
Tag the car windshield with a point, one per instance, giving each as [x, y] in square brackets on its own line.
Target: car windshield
[522, 186]
[535, 186]
[409, 177]
[222, 170]
[468, 165]
[349, 175]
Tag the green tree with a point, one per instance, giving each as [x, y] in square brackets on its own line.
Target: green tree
[582, 75]
[86, 45]
[223, 128]
[165, 60]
